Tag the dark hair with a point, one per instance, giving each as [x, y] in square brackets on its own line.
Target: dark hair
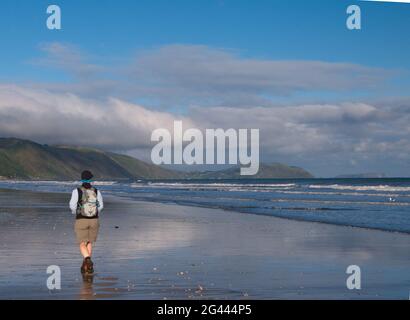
[86, 175]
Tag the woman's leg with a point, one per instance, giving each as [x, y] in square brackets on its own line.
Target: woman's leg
[84, 249]
[90, 249]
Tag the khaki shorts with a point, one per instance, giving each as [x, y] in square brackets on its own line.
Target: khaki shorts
[86, 230]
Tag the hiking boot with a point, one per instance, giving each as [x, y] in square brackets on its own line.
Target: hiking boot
[89, 265]
[84, 267]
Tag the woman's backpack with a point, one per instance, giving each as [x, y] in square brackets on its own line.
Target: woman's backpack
[87, 202]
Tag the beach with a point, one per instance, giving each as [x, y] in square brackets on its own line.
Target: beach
[150, 250]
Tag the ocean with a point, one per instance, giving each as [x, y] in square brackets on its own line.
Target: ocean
[368, 203]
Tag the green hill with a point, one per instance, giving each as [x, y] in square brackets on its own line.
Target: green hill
[266, 171]
[23, 159]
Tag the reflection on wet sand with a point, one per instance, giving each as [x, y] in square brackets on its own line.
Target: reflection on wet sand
[162, 251]
[95, 287]
[87, 289]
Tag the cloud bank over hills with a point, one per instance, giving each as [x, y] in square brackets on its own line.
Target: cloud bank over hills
[117, 106]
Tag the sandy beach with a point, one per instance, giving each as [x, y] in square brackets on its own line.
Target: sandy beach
[165, 251]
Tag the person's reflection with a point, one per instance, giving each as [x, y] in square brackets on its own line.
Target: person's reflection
[87, 290]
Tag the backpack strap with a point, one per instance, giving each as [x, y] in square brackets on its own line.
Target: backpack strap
[80, 196]
[96, 195]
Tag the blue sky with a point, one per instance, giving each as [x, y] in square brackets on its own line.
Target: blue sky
[313, 30]
[265, 29]
[262, 54]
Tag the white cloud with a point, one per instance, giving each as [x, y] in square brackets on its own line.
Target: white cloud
[286, 130]
[219, 74]
[85, 112]
[180, 75]
[68, 119]
[345, 135]
[68, 58]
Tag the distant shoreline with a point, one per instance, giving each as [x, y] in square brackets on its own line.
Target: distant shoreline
[326, 211]
[209, 179]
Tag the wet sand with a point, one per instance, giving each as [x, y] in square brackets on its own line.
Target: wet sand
[165, 251]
